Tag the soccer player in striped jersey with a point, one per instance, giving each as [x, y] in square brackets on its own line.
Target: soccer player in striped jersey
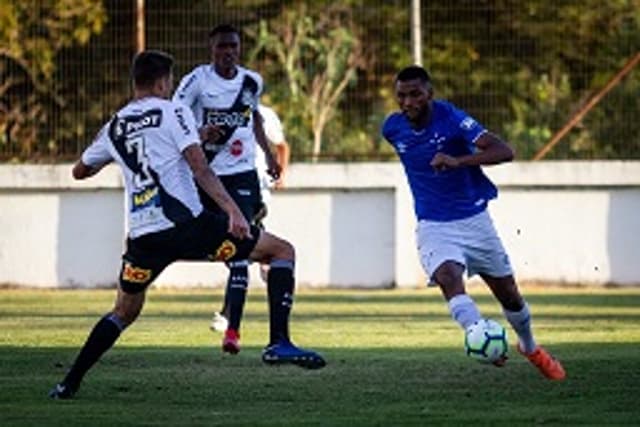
[224, 97]
[442, 150]
[156, 144]
[275, 135]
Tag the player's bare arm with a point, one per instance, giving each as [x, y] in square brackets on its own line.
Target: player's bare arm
[82, 171]
[274, 168]
[283, 153]
[238, 225]
[492, 151]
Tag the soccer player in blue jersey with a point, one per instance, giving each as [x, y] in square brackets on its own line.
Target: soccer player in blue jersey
[442, 150]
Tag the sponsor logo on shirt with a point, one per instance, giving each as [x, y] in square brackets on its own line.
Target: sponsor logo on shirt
[181, 121]
[126, 125]
[133, 274]
[468, 123]
[225, 251]
[146, 197]
[228, 118]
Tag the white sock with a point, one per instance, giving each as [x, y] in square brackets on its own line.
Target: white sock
[521, 323]
[464, 310]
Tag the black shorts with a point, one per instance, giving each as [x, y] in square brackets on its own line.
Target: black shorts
[203, 238]
[244, 189]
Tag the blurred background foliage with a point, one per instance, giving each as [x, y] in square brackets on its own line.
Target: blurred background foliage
[523, 68]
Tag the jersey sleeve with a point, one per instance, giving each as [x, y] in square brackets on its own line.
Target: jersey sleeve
[259, 89]
[466, 126]
[272, 126]
[182, 126]
[387, 128]
[188, 89]
[98, 152]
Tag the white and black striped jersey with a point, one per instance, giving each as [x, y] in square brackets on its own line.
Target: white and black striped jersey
[146, 138]
[229, 104]
[275, 136]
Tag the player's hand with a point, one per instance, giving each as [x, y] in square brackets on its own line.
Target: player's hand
[238, 225]
[210, 133]
[279, 183]
[273, 168]
[443, 162]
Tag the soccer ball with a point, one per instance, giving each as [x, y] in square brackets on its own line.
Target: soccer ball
[486, 341]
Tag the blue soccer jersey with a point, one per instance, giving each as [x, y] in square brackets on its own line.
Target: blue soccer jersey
[446, 195]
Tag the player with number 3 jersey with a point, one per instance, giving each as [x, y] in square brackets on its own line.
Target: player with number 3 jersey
[157, 146]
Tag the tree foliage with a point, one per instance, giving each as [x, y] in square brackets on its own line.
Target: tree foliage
[522, 67]
[318, 55]
[525, 67]
[31, 35]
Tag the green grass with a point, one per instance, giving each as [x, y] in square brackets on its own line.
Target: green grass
[394, 358]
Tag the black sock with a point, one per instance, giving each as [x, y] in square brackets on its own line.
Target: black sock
[225, 306]
[237, 291]
[102, 337]
[280, 285]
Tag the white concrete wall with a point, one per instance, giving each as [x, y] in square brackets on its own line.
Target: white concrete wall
[352, 225]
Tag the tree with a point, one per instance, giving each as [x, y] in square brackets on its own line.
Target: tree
[318, 54]
[524, 68]
[31, 34]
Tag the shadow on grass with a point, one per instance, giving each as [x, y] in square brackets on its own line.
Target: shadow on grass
[363, 386]
[616, 298]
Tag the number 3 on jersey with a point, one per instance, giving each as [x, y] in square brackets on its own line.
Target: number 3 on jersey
[135, 147]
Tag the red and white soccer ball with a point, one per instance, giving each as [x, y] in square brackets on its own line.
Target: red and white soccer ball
[486, 341]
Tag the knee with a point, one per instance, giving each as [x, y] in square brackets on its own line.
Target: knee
[285, 250]
[449, 274]
[449, 277]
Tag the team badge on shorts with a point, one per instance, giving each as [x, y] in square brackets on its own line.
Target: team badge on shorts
[225, 251]
[133, 274]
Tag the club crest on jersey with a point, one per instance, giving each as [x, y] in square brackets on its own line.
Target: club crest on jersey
[236, 148]
[467, 124]
[436, 139]
[249, 98]
[225, 251]
[133, 274]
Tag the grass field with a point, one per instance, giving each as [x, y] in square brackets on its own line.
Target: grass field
[394, 358]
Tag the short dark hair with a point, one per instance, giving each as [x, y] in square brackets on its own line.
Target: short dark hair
[223, 29]
[413, 72]
[149, 66]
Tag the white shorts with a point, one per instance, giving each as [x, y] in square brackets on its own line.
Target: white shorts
[472, 242]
